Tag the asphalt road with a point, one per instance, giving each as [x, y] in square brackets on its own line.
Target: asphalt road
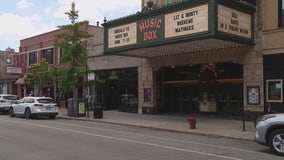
[61, 139]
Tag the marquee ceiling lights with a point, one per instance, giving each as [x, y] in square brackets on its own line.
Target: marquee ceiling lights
[205, 45]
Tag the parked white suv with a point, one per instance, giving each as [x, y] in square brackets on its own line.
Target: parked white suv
[30, 107]
[5, 102]
[270, 132]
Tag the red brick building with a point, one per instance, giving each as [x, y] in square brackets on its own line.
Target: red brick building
[7, 78]
[34, 49]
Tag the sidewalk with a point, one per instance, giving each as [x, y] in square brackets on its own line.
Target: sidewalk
[209, 125]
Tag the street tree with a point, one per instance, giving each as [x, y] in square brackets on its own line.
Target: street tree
[36, 73]
[72, 43]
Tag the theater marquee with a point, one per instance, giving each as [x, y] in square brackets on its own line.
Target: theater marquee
[122, 35]
[234, 22]
[189, 21]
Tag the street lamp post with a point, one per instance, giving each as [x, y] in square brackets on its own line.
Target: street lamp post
[87, 89]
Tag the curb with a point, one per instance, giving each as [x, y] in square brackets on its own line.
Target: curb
[158, 128]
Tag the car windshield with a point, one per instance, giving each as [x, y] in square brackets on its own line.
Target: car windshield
[46, 100]
[10, 97]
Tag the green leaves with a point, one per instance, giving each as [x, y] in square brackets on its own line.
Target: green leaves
[73, 44]
[36, 72]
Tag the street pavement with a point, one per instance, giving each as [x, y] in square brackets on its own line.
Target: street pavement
[206, 124]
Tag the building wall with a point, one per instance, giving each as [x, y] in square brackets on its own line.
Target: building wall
[98, 61]
[273, 51]
[104, 62]
[160, 3]
[7, 54]
[251, 58]
[253, 61]
[273, 35]
[7, 80]
[48, 40]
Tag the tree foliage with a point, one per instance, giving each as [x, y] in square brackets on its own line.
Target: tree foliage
[36, 73]
[73, 45]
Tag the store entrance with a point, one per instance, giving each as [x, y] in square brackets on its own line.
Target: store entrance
[214, 88]
[117, 89]
[112, 94]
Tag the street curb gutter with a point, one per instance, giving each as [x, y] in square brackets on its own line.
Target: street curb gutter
[158, 128]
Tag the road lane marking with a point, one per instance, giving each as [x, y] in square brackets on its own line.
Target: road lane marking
[161, 138]
[127, 140]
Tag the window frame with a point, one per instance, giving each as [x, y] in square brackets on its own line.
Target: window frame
[48, 55]
[280, 13]
[33, 56]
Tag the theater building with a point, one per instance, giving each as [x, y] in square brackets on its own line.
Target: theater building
[273, 53]
[186, 57]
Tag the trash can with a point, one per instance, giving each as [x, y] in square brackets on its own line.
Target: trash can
[76, 107]
[98, 112]
[70, 107]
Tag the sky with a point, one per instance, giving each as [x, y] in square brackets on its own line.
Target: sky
[20, 19]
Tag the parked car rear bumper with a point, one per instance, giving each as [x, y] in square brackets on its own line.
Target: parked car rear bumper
[6, 108]
[45, 114]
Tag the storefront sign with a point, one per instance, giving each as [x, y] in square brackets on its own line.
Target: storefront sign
[150, 29]
[189, 21]
[14, 70]
[122, 35]
[234, 22]
[253, 95]
[147, 94]
[91, 76]
[113, 75]
[274, 91]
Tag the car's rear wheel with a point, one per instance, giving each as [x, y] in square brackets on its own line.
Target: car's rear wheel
[11, 112]
[276, 141]
[28, 113]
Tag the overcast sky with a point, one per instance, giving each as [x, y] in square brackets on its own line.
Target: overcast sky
[21, 19]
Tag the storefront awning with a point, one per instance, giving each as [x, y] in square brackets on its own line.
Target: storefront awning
[20, 81]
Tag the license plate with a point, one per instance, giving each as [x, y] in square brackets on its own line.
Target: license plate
[48, 108]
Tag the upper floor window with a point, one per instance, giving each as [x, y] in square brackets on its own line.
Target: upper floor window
[22, 60]
[9, 60]
[32, 58]
[47, 54]
[281, 13]
[171, 1]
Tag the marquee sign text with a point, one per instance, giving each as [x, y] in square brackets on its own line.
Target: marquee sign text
[122, 35]
[186, 22]
[234, 22]
[149, 28]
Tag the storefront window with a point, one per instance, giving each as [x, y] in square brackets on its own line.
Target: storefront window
[117, 89]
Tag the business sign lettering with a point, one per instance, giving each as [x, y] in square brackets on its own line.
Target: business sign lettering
[234, 22]
[122, 35]
[14, 70]
[189, 21]
[151, 29]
